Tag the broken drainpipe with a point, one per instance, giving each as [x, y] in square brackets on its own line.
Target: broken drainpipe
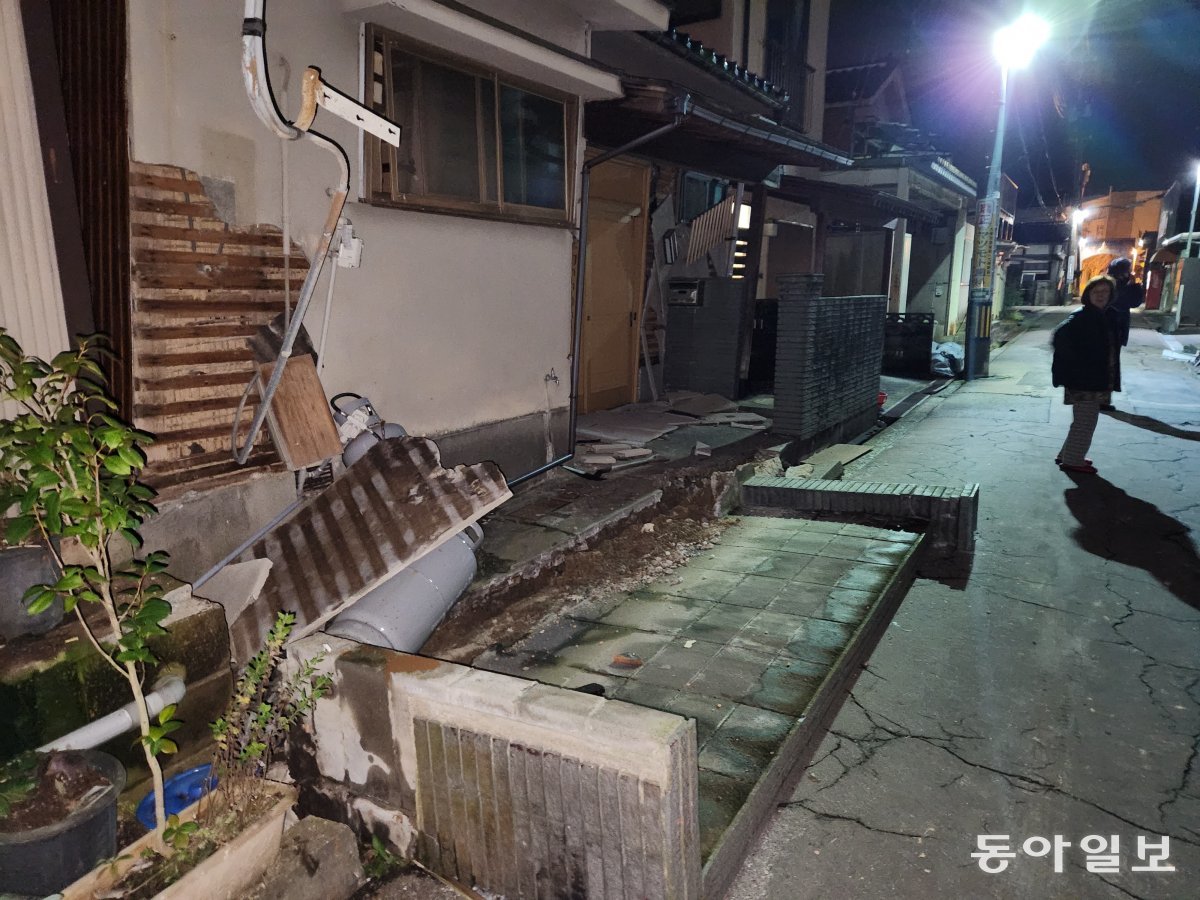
[581, 270]
[258, 89]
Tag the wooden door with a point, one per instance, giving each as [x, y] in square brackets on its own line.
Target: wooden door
[613, 284]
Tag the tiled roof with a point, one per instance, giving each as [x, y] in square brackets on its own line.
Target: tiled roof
[719, 65]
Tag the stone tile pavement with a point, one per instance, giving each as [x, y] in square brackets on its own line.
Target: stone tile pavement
[739, 639]
[1052, 690]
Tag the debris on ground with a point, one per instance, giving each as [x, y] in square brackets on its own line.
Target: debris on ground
[622, 562]
[599, 458]
[947, 359]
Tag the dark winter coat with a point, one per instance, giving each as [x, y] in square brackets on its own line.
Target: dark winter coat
[1085, 352]
[1129, 295]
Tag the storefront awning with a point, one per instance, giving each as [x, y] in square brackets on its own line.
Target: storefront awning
[706, 139]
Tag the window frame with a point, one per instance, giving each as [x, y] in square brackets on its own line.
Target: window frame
[375, 152]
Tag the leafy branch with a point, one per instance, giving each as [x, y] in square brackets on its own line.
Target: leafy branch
[69, 471]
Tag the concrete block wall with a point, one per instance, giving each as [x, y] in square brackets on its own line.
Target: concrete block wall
[54, 683]
[829, 353]
[952, 512]
[518, 788]
[704, 341]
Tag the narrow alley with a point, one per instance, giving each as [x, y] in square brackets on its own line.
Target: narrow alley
[1055, 691]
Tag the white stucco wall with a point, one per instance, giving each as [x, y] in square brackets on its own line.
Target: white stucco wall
[450, 322]
[31, 306]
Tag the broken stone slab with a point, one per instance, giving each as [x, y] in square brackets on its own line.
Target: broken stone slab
[318, 860]
[236, 586]
[596, 459]
[736, 418]
[701, 449]
[387, 511]
[701, 404]
[605, 449]
[842, 453]
[634, 453]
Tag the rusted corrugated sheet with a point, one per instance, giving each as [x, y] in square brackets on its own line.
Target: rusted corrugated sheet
[388, 510]
[91, 39]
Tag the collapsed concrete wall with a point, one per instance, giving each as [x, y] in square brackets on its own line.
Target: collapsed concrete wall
[516, 787]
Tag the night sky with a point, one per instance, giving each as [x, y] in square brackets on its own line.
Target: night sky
[1117, 86]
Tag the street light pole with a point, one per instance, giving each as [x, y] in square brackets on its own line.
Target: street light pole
[1187, 252]
[979, 301]
[1014, 47]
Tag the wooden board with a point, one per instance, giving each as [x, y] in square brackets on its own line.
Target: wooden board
[201, 286]
[388, 510]
[300, 420]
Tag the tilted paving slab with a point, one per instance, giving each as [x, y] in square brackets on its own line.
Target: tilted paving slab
[753, 641]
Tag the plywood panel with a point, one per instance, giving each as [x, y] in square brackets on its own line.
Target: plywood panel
[299, 417]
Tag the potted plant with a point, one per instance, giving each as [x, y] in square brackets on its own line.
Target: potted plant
[219, 846]
[68, 480]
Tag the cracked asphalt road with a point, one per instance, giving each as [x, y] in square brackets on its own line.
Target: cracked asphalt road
[1055, 690]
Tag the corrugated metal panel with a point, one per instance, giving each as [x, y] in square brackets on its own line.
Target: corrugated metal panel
[388, 510]
[30, 295]
[91, 39]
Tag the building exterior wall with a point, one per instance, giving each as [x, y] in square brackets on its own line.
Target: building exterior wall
[427, 326]
[1121, 215]
[31, 305]
[818, 56]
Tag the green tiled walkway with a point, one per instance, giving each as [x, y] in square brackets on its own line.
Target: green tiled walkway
[739, 638]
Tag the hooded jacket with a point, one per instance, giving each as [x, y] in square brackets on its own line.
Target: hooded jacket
[1085, 357]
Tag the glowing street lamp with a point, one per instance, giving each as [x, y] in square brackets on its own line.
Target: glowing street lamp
[1014, 47]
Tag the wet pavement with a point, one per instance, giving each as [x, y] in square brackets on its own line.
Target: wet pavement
[1054, 691]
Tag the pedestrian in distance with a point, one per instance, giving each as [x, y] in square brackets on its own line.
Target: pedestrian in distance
[1087, 365]
[1129, 296]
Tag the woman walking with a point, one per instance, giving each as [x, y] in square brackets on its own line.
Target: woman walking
[1088, 368]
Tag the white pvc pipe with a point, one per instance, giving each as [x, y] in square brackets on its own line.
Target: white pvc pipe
[170, 690]
[258, 88]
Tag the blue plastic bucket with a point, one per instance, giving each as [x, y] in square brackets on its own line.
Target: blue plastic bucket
[179, 792]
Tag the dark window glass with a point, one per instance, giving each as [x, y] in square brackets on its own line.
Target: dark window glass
[449, 124]
[534, 149]
[466, 140]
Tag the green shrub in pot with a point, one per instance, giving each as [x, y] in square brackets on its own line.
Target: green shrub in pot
[69, 479]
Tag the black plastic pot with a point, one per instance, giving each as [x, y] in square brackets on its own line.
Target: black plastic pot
[45, 860]
[20, 569]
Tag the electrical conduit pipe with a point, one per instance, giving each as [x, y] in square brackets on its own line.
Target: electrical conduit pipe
[258, 89]
[168, 691]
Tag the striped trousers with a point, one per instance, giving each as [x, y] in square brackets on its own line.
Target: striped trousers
[1079, 437]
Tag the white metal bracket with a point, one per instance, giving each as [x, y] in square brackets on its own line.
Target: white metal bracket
[317, 93]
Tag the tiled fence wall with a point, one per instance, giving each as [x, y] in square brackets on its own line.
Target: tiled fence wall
[828, 358]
